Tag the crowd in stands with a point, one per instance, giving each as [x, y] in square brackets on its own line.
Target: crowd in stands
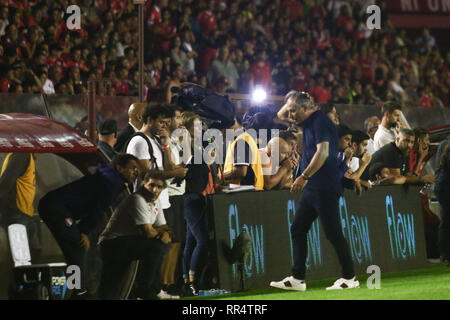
[323, 47]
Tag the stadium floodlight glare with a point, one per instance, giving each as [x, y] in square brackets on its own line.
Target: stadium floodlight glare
[259, 95]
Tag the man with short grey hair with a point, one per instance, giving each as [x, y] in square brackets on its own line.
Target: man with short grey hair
[320, 184]
[371, 125]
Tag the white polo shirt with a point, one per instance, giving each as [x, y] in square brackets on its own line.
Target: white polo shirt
[139, 148]
[382, 137]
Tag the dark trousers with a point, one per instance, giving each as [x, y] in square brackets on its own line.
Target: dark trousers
[118, 253]
[323, 204]
[196, 231]
[444, 226]
[67, 235]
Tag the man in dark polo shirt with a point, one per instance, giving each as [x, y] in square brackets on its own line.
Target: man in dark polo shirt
[395, 156]
[321, 185]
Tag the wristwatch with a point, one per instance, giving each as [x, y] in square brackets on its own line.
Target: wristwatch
[305, 177]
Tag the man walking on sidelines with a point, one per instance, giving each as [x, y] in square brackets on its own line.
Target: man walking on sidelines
[321, 185]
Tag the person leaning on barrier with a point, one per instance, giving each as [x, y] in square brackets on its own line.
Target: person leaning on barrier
[243, 162]
[380, 174]
[292, 139]
[72, 211]
[386, 133]
[134, 125]
[396, 156]
[330, 111]
[371, 125]
[442, 191]
[419, 155]
[137, 230]
[279, 177]
[361, 158]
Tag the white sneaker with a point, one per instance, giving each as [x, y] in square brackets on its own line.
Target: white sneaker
[289, 283]
[163, 295]
[342, 283]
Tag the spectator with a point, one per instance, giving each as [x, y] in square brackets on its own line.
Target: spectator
[321, 36]
[395, 155]
[371, 125]
[177, 77]
[165, 32]
[426, 42]
[330, 110]
[320, 92]
[107, 137]
[441, 190]
[223, 67]
[381, 175]
[187, 47]
[261, 71]
[207, 19]
[385, 134]
[179, 56]
[276, 175]
[361, 158]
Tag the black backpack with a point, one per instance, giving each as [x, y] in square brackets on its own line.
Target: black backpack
[216, 108]
[150, 147]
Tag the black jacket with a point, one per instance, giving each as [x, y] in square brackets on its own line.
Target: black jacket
[123, 137]
[85, 199]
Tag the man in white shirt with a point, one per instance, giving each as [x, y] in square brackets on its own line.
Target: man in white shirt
[137, 230]
[174, 214]
[151, 146]
[371, 125]
[386, 130]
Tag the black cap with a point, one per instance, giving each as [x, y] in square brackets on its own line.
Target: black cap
[107, 127]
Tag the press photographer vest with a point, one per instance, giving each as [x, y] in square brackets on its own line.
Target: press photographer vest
[25, 186]
[255, 161]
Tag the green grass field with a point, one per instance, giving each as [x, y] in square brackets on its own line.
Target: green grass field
[432, 283]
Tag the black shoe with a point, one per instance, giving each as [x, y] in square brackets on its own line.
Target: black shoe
[189, 290]
[173, 290]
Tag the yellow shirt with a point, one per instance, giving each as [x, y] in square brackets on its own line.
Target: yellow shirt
[25, 186]
[255, 163]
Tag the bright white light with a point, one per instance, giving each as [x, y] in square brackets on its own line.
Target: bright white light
[259, 95]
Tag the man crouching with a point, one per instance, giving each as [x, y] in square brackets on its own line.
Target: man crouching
[136, 231]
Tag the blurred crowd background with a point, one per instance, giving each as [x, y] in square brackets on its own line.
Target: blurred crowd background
[323, 47]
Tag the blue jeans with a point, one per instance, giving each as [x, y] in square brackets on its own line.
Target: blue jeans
[197, 231]
[444, 226]
[323, 204]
